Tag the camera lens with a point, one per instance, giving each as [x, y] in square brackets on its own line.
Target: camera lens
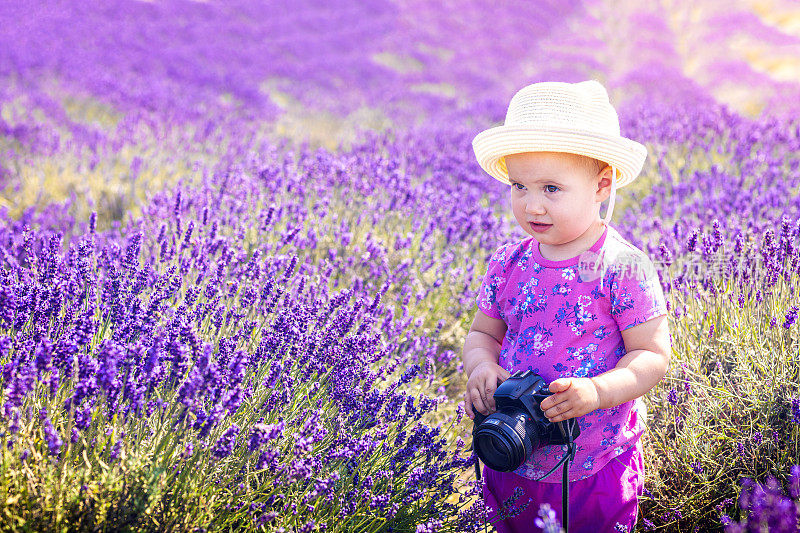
[503, 442]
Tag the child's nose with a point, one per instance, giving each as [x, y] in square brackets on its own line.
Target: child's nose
[534, 207]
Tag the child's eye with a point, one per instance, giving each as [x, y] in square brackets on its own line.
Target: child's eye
[514, 185]
[553, 186]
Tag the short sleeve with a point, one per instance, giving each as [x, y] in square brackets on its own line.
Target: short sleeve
[636, 292]
[493, 283]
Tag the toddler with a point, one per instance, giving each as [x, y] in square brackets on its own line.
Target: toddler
[574, 303]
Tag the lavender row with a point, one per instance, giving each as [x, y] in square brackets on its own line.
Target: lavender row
[250, 382]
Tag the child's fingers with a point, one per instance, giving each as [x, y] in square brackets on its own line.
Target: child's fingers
[468, 406]
[478, 401]
[553, 405]
[554, 411]
[566, 415]
[490, 388]
[560, 385]
[569, 410]
[487, 392]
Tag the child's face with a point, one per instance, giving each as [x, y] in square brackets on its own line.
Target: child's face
[559, 189]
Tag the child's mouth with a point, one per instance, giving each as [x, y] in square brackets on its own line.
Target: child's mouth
[540, 227]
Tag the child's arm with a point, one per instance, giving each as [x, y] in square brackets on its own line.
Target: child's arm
[639, 370]
[480, 357]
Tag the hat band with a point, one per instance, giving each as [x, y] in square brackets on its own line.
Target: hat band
[492, 145]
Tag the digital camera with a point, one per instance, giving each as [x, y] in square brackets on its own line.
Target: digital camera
[505, 438]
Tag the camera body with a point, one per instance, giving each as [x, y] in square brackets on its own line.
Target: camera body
[505, 438]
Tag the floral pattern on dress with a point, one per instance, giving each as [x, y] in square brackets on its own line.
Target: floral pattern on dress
[530, 300]
[531, 344]
[575, 315]
[559, 325]
[525, 260]
[487, 297]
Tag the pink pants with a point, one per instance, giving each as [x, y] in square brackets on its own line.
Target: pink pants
[604, 502]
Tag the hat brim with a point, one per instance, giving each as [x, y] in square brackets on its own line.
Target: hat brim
[492, 145]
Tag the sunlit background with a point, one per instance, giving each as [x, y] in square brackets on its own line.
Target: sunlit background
[186, 184]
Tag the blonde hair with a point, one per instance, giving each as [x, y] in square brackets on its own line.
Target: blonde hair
[594, 165]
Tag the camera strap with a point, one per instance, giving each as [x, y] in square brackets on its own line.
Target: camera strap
[566, 460]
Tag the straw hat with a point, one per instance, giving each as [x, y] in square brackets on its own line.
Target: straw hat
[555, 116]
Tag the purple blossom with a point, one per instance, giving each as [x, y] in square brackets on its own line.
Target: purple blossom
[546, 521]
[53, 438]
[116, 450]
[794, 482]
[672, 396]
[791, 317]
[44, 354]
[261, 434]
[12, 413]
[205, 423]
[22, 383]
[224, 446]
[692, 243]
[718, 240]
[766, 506]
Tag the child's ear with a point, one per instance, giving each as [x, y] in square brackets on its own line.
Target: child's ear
[604, 183]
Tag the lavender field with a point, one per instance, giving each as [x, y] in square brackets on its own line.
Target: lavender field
[241, 242]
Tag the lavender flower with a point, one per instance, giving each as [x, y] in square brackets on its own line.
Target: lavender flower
[665, 253]
[672, 396]
[794, 481]
[791, 317]
[224, 446]
[692, 243]
[546, 520]
[116, 450]
[263, 433]
[767, 508]
[53, 438]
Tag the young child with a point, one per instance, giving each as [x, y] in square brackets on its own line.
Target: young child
[574, 303]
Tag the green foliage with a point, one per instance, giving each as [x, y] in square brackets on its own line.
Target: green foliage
[724, 411]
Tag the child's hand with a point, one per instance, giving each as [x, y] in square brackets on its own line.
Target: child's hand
[481, 386]
[573, 397]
